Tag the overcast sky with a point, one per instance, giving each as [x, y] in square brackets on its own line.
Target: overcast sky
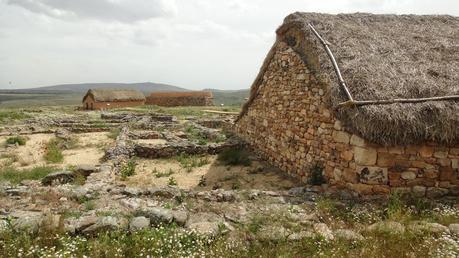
[190, 43]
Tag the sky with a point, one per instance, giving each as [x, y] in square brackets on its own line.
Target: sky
[195, 44]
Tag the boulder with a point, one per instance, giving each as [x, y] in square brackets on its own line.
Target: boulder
[454, 228]
[205, 228]
[139, 223]
[422, 226]
[29, 222]
[389, 227]
[272, 233]
[322, 230]
[301, 235]
[104, 224]
[61, 177]
[347, 234]
[85, 169]
[158, 215]
[180, 217]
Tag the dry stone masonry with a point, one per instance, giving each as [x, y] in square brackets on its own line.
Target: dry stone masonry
[290, 124]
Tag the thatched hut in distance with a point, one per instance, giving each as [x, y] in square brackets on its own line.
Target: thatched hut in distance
[377, 134]
[181, 98]
[97, 99]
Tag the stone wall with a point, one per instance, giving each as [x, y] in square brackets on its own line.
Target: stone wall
[289, 123]
[90, 104]
[180, 99]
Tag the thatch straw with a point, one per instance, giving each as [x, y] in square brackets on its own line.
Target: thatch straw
[385, 57]
[115, 95]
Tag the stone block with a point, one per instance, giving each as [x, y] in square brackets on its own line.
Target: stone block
[396, 150]
[347, 155]
[435, 192]
[455, 163]
[441, 154]
[349, 175]
[372, 175]
[426, 151]
[381, 189]
[357, 141]
[362, 189]
[386, 159]
[340, 136]
[408, 175]
[419, 191]
[364, 156]
[447, 174]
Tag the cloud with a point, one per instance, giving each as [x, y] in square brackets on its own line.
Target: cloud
[126, 11]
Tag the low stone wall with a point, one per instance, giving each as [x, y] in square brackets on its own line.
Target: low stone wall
[183, 147]
[290, 124]
[179, 99]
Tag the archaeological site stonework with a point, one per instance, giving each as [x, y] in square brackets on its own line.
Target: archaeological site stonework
[290, 124]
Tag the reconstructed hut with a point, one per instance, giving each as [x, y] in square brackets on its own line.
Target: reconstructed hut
[385, 118]
[181, 98]
[97, 99]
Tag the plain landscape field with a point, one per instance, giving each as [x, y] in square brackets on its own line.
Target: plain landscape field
[175, 182]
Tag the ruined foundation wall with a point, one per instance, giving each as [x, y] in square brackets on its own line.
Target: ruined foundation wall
[289, 123]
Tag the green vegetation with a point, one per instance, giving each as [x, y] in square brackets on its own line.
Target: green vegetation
[113, 134]
[16, 176]
[164, 241]
[172, 181]
[54, 151]
[20, 140]
[234, 157]
[188, 162]
[163, 174]
[128, 169]
[168, 241]
[195, 135]
[10, 115]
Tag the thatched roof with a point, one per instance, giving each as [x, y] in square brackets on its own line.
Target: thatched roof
[175, 94]
[115, 95]
[384, 57]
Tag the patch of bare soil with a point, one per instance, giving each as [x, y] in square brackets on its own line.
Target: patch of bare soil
[30, 154]
[89, 150]
[257, 176]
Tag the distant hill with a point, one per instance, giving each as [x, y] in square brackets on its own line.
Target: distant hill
[229, 97]
[84, 87]
[71, 94]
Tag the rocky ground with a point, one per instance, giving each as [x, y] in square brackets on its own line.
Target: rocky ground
[142, 184]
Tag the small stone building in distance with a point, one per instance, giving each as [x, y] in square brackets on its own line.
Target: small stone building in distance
[181, 98]
[381, 135]
[98, 99]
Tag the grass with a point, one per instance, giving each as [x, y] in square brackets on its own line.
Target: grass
[16, 176]
[172, 181]
[8, 116]
[194, 134]
[163, 174]
[189, 162]
[128, 169]
[167, 241]
[113, 134]
[54, 151]
[16, 140]
[234, 157]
